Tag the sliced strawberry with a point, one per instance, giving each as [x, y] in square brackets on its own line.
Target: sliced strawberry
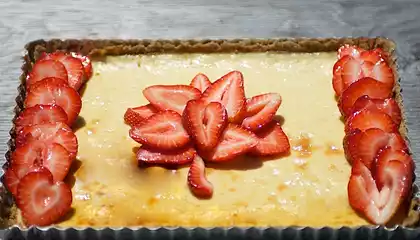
[378, 206]
[260, 110]
[50, 80]
[350, 50]
[205, 123]
[44, 69]
[42, 201]
[40, 114]
[149, 156]
[11, 178]
[197, 181]
[365, 86]
[36, 154]
[271, 141]
[171, 97]
[366, 119]
[373, 140]
[48, 93]
[49, 133]
[86, 62]
[381, 72]
[350, 144]
[228, 90]
[134, 116]
[387, 155]
[74, 67]
[351, 72]
[201, 82]
[338, 84]
[163, 131]
[372, 56]
[235, 141]
[388, 106]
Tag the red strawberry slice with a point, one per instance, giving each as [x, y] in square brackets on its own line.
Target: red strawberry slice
[50, 80]
[228, 90]
[351, 72]
[235, 141]
[48, 93]
[372, 56]
[11, 179]
[387, 155]
[205, 123]
[201, 82]
[163, 131]
[74, 67]
[44, 69]
[42, 201]
[36, 154]
[372, 141]
[40, 114]
[349, 50]
[171, 97]
[49, 133]
[388, 106]
[149, 156]
[378, 205]
[365, 86]
[86, 62]
[366, 119]
[271, 141]
[350, 144]
[134, 116]
[260, 110]
[381, 72]
[199, 185]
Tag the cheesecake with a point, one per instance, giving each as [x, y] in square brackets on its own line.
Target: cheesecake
[210, 140]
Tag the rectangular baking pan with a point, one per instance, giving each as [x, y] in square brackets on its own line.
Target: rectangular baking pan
[101, 48]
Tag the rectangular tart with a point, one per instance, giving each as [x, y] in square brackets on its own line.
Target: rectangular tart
[307, 187]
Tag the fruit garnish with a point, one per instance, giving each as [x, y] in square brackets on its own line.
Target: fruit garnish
[41, 200]
[47, 93]
[86, 62]
[364, 86]
[149, 156]
[338, 83]
[134, 116]
[44, 69]
[372, 141]
[36, 153]
[350, 50]
[378, 205]
[228, 90]
[50, 80]
[388, 106]
[74, 67]
[40, 114]
[271, 141]
[201, 82]
[350, 144]
[260, 110]
[11, 178]
[391, 154]
[171, 97]
[372, 56]
[197, 181]
[205, 123]
[235, 141]
[163, 130]
[366, 119]
[49, 133]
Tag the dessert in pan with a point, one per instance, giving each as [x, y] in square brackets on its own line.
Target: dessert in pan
[263, 135]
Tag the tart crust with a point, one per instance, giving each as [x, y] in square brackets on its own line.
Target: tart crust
[98, 49]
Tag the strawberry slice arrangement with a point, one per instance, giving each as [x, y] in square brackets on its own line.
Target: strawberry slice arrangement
[45, 143]
[205, 122]
[382, 167]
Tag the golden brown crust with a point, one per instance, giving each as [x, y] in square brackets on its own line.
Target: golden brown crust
[102, 48]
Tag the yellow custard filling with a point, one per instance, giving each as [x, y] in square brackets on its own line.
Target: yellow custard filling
[306, 188]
